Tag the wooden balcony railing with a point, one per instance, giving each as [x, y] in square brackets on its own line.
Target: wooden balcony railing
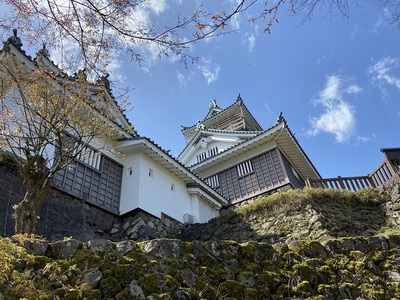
[382, 174]
[378, 177]
[342, 183]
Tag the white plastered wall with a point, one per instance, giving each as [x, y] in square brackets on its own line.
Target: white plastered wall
[155, 193]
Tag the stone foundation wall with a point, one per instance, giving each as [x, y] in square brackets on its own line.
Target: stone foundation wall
[392, 207]
[139, 226]
[64, 216]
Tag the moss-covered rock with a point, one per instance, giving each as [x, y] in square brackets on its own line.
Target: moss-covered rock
[86, 259]
[231, 288]
[109, 287]
[297, 267]
[92, 295]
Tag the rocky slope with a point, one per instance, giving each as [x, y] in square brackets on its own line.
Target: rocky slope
[309, 244]
[314, 214]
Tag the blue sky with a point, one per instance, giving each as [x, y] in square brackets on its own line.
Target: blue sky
[336, 80]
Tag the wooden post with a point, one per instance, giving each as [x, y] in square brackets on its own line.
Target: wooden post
[308, 182]
[342, 186]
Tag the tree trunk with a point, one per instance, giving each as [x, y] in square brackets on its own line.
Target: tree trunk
[27, 211]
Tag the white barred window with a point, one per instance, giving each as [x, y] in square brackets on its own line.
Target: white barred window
[201, 157]
[212, 152]
[244, 168]
[89, 156]
[213, 181]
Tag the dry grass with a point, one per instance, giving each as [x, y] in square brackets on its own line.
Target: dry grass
[294, 200]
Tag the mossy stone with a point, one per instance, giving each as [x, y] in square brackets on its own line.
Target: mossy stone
[347, 290]
[163, 296]
[250, 294]
[328, 291]
[263, 292]
[231, 288]
[252, 267]
[206, 290]
[206, 259]
[283, 291]
[372, 291]
[92, 294]
[126, 273]
[149, 283]
[71, 295]
[318, 297]
[304, 273]
[271, 280]
[109, 287]
[303, 289]
[393, 289]
[211, 275]
[291, 258]
[37, 262]
[325, 274]
[43, 284]
[107, 273]
[187, 293]
[87, 259]
[124, 295]
[309, 248]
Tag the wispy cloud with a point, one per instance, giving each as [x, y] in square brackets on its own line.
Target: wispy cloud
[338, 117]
[209, 70]
[386, 72]
[181, 78]
[382, 16]
[157, 6]
[236, 20]
[250, 41]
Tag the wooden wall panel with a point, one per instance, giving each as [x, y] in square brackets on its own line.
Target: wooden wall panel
[99, 187]
[268, 173]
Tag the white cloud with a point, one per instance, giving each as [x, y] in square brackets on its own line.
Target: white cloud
[181, 78]
[353, 35]
[331, 90]
[338, 117]
[383, 73]
[236, 20]
[354, 89]
[156, 6]
[363, 139]
[209, 70]
[382, 16]
[250, 40]
[338, 120]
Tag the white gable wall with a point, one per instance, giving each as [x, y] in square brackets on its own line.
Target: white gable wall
[191, 158]
[130, 183]
[150, 188]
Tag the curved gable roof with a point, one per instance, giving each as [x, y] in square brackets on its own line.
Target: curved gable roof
[224, 119]
[239, 136]
[59, 76]
[278, 133]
